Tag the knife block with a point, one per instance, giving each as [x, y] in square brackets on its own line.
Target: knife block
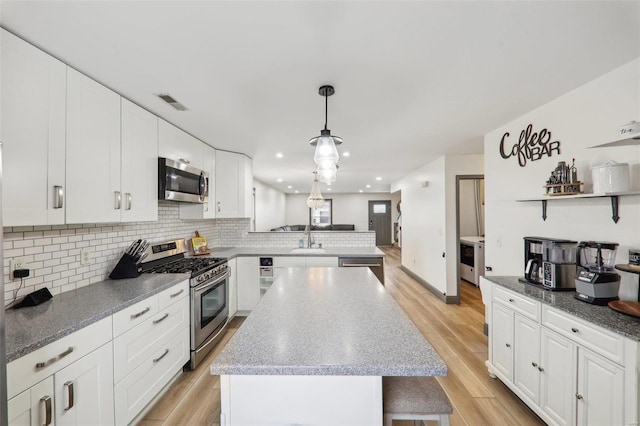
[126, 268]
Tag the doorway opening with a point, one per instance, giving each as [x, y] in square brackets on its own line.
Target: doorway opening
[380, 221]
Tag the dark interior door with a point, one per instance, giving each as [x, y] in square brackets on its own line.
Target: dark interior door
[380, 221]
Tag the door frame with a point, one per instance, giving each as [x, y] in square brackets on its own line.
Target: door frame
[389, 204]
[458, 179]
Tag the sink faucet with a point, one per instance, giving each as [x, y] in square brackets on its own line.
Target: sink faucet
[310, 240]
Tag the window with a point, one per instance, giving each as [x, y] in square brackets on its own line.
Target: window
[324, 215]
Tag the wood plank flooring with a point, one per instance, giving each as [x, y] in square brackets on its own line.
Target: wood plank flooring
[455, 331]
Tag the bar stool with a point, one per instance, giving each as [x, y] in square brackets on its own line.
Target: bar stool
[414, 398]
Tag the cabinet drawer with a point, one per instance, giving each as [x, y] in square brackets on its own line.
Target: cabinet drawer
[327, 261]
[23, 373]
[134, 315]
[173, 294]
[288, 261]
[132, 348]
[599, 340]
[134, 392]
[525, 306]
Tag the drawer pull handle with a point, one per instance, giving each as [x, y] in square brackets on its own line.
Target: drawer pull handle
[69, 386]
[161, 319]
[578, 396]
[54, 359]
[166, 351]
[508, 345]
[540, 369]
[139, 314]
[511, 300]
[176, 294]
[47, 409]
[534, 364]
[575, 330]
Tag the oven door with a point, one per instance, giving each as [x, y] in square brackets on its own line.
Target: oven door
[209, 309]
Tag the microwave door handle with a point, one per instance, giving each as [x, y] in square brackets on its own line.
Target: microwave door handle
[204, 187]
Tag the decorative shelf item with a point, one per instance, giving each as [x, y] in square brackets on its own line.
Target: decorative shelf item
[629, 308]
[564, 188]
[612, 195]
[629, 135]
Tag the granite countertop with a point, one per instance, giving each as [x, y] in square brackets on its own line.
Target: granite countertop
[602, 316]
[31, 328]
[231, 252]
[328, 321]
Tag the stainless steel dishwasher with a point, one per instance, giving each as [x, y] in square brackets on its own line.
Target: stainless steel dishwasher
[376, 264]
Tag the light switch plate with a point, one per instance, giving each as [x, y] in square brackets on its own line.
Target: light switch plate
[85, 256]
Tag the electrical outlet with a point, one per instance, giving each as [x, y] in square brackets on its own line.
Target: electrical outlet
[85, 256]
[17, 263]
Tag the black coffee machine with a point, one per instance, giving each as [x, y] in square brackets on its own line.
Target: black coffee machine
[550, 263]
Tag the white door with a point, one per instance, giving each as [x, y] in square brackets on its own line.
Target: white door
[33, 407]
[526, 374]
[502, 339]
[93, 151]
[600, 395]
[558, 358]
[248, 283]
[84, 390]
[139, 164]
[32, 112]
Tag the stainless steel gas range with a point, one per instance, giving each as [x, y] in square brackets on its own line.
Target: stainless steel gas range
[209, 288]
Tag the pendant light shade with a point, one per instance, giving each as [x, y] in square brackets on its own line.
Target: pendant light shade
[326, 155]
[315, 199]
[327, 171]
[326, 150]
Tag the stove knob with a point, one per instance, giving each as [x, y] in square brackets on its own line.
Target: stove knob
[200, 278]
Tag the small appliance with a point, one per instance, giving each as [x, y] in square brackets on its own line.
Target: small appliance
[177, 181]
[596, 281]
[559, 262]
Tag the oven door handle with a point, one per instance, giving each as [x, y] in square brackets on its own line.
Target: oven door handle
[213, 283]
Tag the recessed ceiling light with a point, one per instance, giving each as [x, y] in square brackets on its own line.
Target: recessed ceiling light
[296, 191]
[279, 155]
[328, 189]
[329, 184]
[378, 178]
[368, 186]
[289, 186]
[346, 154]
[360, 190]
[279, 179]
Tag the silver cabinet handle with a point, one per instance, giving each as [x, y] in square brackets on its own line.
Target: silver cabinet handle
[578, 396]
[141, 313]
[128, 198]
[575, 330]
[47, 409]
[511, 300]
[69, 386]
[508, 345]
[351, 265]
[219, 206]
[47, 363]
[58, 197]
[534, 364]
[176, 294]
[118, 200]
[161, 319]
[185, 161]
[540, 369]
[166, 351]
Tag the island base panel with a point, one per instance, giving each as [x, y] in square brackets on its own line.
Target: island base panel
[328, 400]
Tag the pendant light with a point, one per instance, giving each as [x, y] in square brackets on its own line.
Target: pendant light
[315, 199]
[326, 155]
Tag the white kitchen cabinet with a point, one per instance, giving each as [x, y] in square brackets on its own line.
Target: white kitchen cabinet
[502, 340]
[84, 390]
[233, 287]
[33, 87]
[248, 283]
[206, 210]
[178, 145]
[139, 144]
[93, 151]
[234, 185]
[526, 356]
[33, 407]
[557, 394]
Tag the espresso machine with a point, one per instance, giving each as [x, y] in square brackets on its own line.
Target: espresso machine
[596, 281]
[550, 263]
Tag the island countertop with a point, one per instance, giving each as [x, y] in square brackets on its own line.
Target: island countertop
[328, 321]
[231, 252]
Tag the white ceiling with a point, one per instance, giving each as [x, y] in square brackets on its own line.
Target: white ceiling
[414, 80]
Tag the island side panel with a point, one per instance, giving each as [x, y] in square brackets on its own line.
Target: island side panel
[334, 400]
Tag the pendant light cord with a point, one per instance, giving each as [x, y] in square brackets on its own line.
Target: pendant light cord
[326, 109]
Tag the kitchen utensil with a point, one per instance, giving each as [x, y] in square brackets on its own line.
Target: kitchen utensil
[625, 307]
[133, 247]
[596, 281]
[199, 245]
[610, 177]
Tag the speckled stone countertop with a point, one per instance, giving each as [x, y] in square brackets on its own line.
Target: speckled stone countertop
[231, 252]
[328, 321]
[602, 316]
[31, 328]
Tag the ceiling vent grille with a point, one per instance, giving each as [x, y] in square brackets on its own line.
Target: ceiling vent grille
[171, 101]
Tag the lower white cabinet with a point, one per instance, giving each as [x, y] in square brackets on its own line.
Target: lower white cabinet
[233, 287]
[502, 340]
[526, 356]
[558, 359]
[33, 407]
[600, 395]
[248, 276]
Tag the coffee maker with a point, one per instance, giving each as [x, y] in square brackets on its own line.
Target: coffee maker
[550, 262]
[597, 282]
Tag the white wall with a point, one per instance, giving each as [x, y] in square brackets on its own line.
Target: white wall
[587, 116]
[270, 206]
[468, 223]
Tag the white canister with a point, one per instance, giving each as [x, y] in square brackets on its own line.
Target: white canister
[610, 177]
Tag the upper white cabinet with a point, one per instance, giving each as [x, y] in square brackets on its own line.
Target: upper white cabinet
[93, 151]
[234, 185]
[178, 145]
[206, 210]
[139, 164]
[33, 87]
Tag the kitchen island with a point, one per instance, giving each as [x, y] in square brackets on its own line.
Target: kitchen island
[314, 351]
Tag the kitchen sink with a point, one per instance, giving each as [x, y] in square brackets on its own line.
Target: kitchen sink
[307, 251]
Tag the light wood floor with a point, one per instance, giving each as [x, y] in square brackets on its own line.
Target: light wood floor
[455, 331]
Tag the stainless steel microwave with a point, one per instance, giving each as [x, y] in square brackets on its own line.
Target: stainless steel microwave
[178, 181]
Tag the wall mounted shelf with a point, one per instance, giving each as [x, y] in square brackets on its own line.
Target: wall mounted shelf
[627, 140]
[612, 195]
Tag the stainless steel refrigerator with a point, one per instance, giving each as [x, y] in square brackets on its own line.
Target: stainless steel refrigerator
[3, 346]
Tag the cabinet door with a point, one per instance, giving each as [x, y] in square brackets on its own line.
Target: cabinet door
[502, 339]
[558, 359]
[178, 145]
[600, 395]
[526, 373]
[93, 151]
[84, 390]
[33, 87]
[233, 287]
[139, 164]
[234, 183]
[33, 407]
[248, 283]
[206, 210]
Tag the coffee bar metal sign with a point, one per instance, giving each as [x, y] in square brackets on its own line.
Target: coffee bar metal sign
[531, 146]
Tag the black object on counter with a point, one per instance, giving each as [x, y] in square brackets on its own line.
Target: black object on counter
[35, 298]
[126, 268]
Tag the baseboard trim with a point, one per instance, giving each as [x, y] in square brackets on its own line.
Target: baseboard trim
[449, 300]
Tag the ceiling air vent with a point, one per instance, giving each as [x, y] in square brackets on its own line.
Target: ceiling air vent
[168, 99]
